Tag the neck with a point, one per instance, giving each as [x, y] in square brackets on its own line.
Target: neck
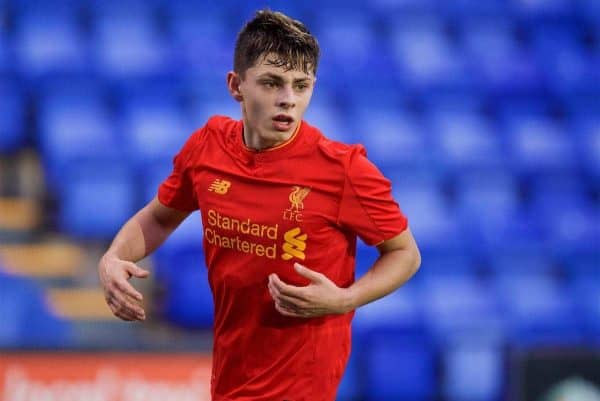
[254, 140]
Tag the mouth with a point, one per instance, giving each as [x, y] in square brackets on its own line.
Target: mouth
[282, 122]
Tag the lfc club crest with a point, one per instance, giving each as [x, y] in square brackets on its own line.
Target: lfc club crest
[297, 196]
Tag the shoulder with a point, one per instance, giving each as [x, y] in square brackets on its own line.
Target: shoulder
[351, 159]
[339, 152]
[215, 127]
[222, 131]
[221, 124]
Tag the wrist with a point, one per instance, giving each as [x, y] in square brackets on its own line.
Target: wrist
[109, 257]
[348, 300]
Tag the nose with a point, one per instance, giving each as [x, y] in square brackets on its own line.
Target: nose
[286, 97]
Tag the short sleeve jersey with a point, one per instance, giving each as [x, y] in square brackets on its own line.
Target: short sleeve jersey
[304, 201]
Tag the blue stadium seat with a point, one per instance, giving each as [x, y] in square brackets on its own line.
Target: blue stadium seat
[489, 205]
[567, 216]
[352, 46]
[567, 64]
[466, 9]
[552, 191]
[521, 107]
[582, 266]
[75, 125]
[27, 321]
[485, 202]
[181, 273]
[425, 57]
[187, 299]
[393, 8]
[589, 10]
[497, 61]
[324, 114]
[393, 139]
[522, 261]
[580, 107]
[401, 311]
[539, 145]
[399, 368]
[97, 198]
[473, 371]
[67, 52]
[350, 388]
[371, 93]
[521, 233]
[128, 46]
[154, 130]
[14, 298]
[450, 101]
[574, 230]
[153, 177]
[544, 8]
[538, 310]
[186, 238]
[465, 140]
[498, 190]
[223, 105]
[587, 129]
[447, 263]
[40, 6]
[12, 117]
[365, 257]
[585, 291]
[194, 26]
[432, 220]
[117, 9]
[459, 307]
[6, 54]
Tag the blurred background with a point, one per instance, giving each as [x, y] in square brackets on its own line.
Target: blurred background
[485, 114]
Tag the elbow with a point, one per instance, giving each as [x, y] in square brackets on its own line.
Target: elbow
[416, 260]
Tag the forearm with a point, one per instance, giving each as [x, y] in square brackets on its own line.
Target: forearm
[139, 237]
[391, 270]
[129, 243]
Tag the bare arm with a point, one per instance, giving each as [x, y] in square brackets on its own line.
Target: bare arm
[139, 237]
[398, 261]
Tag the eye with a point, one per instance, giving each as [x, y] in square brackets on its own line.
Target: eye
[301, 87]
[270, 84]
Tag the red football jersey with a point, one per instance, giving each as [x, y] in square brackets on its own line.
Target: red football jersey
[303, 201]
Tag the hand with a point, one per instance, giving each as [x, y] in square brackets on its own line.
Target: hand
[121, 297]
[321, 297]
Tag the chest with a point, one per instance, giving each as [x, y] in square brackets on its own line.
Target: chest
[262, 218]
[286, 201]
[285, 193]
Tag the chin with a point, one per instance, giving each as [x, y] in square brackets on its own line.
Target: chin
[274, 133]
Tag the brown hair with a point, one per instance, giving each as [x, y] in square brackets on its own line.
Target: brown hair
[273, 32]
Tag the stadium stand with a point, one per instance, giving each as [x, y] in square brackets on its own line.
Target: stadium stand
[12, 117]
[27, 320]
[484, 115]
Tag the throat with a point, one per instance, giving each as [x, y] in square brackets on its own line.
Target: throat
[258, 142]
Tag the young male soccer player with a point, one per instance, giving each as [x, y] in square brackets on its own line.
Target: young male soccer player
[281, 209]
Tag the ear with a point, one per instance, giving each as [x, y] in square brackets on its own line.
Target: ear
[233, 85]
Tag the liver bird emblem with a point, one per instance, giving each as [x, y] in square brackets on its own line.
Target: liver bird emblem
[297, 196]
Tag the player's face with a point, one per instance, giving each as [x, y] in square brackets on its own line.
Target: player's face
[273, 102]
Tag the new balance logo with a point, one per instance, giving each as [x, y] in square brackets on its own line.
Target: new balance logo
[295, 244]
[219, 186]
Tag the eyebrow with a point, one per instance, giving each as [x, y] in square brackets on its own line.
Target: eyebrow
[279, 78]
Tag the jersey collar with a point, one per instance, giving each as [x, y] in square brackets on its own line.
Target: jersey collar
[273, 153]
